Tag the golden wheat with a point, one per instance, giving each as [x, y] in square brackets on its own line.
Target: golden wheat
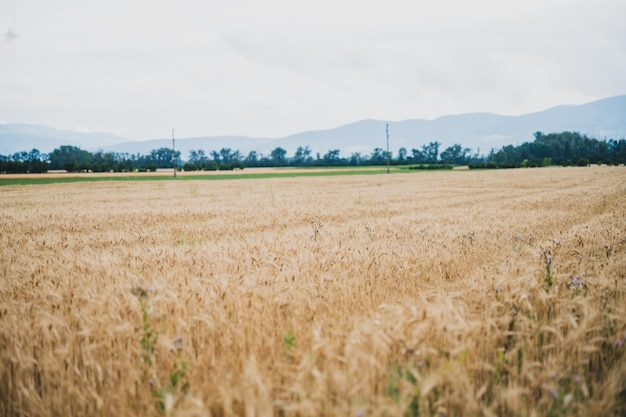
[445, 293]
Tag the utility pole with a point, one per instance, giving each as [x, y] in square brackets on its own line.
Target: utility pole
[387, 131]
[174, 150]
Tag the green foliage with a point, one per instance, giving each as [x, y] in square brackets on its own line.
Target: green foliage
[289, 340]
[332, 158]
[429, 154]
[279, 157]
[399, 377]
[455, 154]
[565, 148]
[547, 256]
[33, 162]
[302, 157]
[74, 159]
[176, 385]
[431, 166]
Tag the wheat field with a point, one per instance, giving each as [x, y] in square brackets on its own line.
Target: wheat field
[461, 293]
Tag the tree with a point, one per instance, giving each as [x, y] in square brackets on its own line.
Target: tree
[103, 162]
[431, 152]
[278, 157]
[198, 157]
[227, 159]
[35, 162]
[69, 158]
[565, 148]
[125, 165]
[331, 157]
[252, 160]
[355, 159]
[226, 155]
[37, 167]
[417, 156]
[455, 154]
[163, 157]
[378, 157]
[302, 156]
[402, 156]
[35, 155]
[617, 151]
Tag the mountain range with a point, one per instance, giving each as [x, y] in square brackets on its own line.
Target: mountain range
[602, 119]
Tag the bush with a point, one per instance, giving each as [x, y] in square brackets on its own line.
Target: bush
[192, 167]
[509, 164]
[432, 166]
[211, 166]
[581, 162]
[70, 166]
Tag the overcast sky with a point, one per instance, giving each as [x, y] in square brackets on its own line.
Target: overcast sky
[268, 69]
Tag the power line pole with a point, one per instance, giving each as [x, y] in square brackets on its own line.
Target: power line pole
[387, 131]
[174, 150]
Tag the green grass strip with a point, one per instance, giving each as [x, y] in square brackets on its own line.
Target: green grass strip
[6, 179]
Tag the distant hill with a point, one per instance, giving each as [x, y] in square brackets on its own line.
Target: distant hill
[601, 119]
[22, 137]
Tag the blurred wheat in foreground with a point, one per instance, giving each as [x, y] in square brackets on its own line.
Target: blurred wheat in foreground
[435, 294]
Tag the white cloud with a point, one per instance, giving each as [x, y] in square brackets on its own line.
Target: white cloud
[279, 67]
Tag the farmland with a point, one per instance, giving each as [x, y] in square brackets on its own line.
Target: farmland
[431, 294]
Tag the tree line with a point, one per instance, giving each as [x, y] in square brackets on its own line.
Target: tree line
[74, 159]
[303, 157]
[566, 148]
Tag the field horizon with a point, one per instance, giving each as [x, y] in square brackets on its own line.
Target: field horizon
[432, 294]
[53, 177]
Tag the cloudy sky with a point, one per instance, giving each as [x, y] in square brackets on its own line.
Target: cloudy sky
[139, 68]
